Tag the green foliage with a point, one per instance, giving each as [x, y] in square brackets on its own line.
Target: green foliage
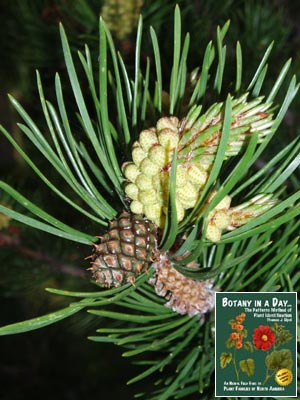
[39, 322]
[261, 255]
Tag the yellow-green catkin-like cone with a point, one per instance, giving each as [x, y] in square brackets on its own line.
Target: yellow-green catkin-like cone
[121, 16]
[148, 174]
[218, 219]
[196, 139]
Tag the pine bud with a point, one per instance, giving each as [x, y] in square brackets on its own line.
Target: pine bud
[243, 213]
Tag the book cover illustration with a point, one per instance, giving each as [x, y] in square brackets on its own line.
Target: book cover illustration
[256, 344]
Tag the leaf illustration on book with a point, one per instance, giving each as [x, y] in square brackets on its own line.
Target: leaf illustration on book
[230, 342]
[247, 366]
[248, 346]
[279, 359]
[225, 359]
[283, 336]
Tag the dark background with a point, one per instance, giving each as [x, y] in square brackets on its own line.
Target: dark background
[58, 361]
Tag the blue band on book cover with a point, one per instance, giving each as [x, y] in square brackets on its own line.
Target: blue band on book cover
[256, 344]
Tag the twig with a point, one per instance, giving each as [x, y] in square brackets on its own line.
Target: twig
[8, 240]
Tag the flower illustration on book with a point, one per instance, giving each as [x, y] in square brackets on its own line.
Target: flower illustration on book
[237, 341]
[263, 337]
[266, 338]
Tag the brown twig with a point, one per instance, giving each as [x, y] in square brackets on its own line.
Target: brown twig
[14, 241]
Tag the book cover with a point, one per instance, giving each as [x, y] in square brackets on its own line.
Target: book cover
[256, 344]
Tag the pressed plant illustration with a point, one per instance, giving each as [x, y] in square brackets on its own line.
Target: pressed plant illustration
[265, 338]
[237, 341]
[165, 172]
[270, 338]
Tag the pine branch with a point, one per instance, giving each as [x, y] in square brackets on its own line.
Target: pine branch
[202, 217]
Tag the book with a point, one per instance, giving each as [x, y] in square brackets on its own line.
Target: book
[256, 344]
